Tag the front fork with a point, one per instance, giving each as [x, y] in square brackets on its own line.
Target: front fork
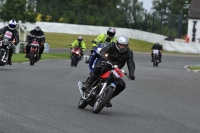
[105, 86]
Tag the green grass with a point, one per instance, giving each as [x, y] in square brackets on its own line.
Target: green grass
[61, 40]
[140, 46]
[21, 57]
[194, 68]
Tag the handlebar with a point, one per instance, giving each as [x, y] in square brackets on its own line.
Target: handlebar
[127, 75]
[10, 43]
[108, 62]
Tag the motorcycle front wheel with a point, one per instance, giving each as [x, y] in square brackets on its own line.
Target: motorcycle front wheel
[154, 61]
[102, 100]
[156, 64]
[1, 55]
[73, 60]
[157, 61]
[32, 58]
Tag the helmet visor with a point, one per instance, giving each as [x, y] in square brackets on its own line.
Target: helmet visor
[80, 40]
[122, 47]
[111, 34]
[12, 26]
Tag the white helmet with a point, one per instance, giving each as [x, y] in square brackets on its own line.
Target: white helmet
[122, 43]
[12, 24]
[37, 28]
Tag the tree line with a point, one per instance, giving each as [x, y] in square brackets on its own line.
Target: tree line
[164, 17]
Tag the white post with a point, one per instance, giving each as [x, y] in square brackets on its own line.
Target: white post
[19, 30]
[24, 35]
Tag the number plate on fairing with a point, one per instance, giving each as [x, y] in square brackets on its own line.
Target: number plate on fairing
[155, 51]
[34, 43]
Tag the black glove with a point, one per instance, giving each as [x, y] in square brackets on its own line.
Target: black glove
[15, 44]
[91, 51]
[131, 76]
[93, 41]
[10, 45]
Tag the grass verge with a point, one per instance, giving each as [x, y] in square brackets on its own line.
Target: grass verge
[21, 57]
[197, 68]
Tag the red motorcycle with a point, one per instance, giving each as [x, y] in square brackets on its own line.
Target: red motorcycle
[101, 91]
[75, 56]
[34, 52]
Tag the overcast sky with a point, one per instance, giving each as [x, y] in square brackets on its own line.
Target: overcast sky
[147, 4]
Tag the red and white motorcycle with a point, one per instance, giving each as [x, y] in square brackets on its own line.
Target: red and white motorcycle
[101, 91]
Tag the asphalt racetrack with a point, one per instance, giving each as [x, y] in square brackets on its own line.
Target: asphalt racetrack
[44, 99]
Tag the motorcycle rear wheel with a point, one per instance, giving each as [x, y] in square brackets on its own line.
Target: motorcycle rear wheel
[1, 54]
[103, 100]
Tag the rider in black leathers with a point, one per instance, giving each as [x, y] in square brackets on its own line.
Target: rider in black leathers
[118, 54]
[15, 36]
[37, 34]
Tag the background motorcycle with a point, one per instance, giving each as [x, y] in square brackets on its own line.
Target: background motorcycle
[95, 58]
[155, 57]
[34, 52]
[101, 91]
[5, 44]
[75, 56]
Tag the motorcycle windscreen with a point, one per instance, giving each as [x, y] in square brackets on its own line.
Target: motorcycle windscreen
[105, 75]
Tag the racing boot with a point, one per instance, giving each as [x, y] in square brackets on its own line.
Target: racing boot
[27, 56]
[9, 61]
[87, 61]
[160, 59]
[39, 57]
[109, 104]
[89, 82]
